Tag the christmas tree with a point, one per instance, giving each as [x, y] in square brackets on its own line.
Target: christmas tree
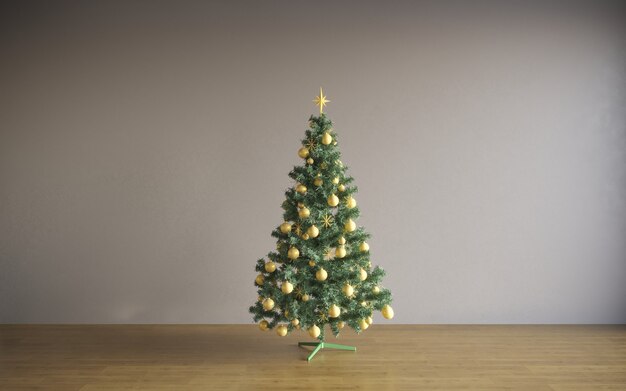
[320, 273]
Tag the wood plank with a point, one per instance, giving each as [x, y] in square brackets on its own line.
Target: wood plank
[233, 357]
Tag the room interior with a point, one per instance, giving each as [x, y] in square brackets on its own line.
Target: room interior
[145, 148]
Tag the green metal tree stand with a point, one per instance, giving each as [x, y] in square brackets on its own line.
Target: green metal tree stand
[322, 345]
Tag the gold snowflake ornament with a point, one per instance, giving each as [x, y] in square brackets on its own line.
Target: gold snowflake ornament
[323, 317]
[327, 220]
[311, 144]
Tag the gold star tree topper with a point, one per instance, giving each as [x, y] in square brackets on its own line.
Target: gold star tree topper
[321, 100]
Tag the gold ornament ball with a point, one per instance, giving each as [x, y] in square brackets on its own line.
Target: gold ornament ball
[364, 247]
[310, 161]
[281, 330]
[305, 297]
[348, 290]
[305, 236]
[287, 287]
[335, 180]
[340, 252]
[301, 189]
[268, 304]
[304, 213]
[387, 312]
[321, 275]
[270, 267]
[313, 231]
[376, 290]
[311, 263]
[327, 138]
[341, 324]
[349, 226]
[333, 200]
[341, 240]
[295, 322]
[362, 274]
[363, 324]
[369, 320]
[263, 325]
[341, 188]
[285, 227]
[293, 253]
[300, 205]
[259, 279]
[364, 304]
[303, 152]
[318, 181]
[334, 311]
[314, 331]
[350, 202]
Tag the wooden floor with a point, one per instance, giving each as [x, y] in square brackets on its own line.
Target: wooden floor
[211, 357]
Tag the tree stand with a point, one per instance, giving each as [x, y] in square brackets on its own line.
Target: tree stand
[322, 345]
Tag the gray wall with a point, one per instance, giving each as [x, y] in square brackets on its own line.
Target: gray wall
[145, 146]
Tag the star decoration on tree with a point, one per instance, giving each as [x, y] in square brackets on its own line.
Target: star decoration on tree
[327, 220]
[298, 229]
[329, 255]
[321, 100]
[299, 293]
[311, 144]
[323, 317]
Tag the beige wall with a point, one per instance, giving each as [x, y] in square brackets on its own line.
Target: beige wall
[145, 146]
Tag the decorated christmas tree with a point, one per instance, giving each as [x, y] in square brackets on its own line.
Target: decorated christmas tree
[321, 272]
